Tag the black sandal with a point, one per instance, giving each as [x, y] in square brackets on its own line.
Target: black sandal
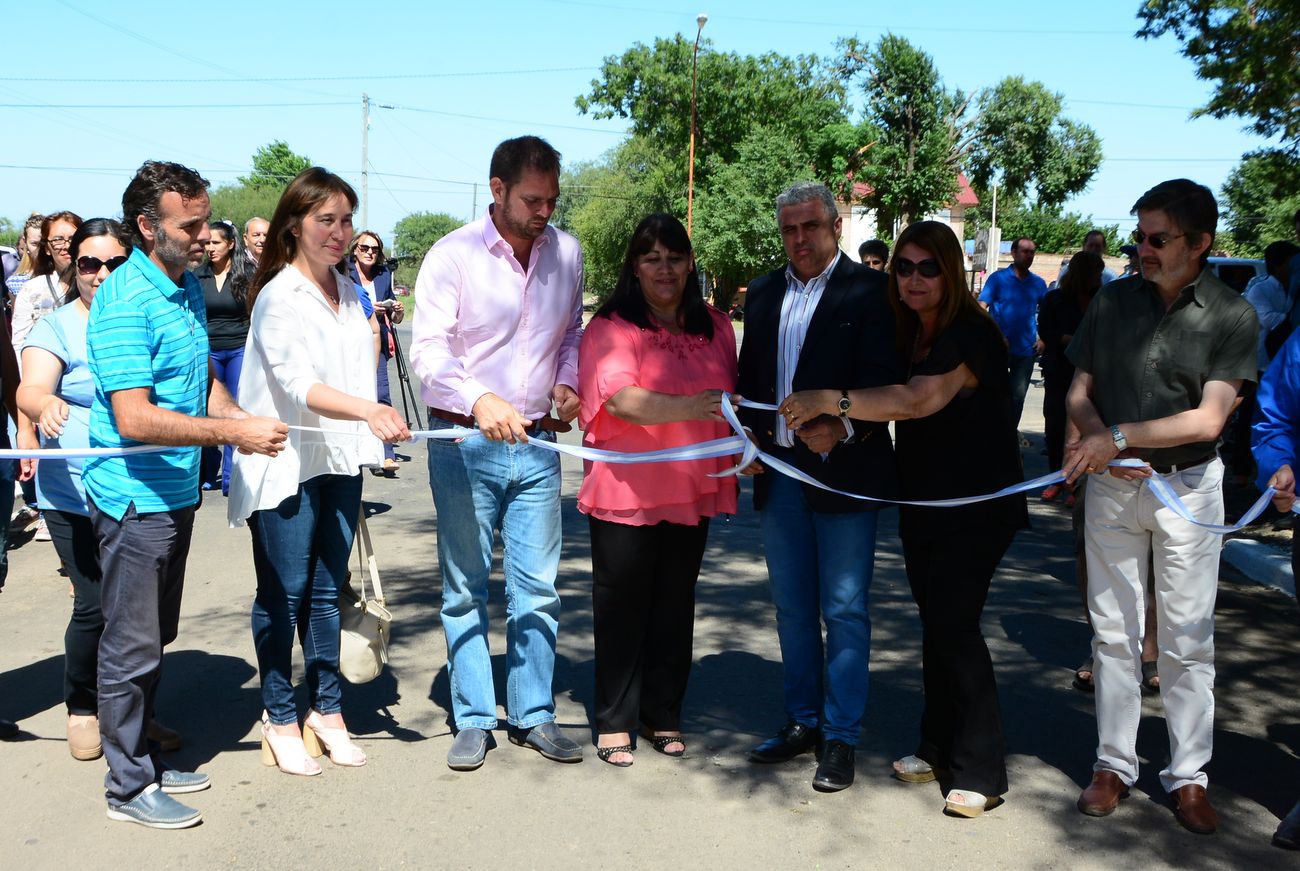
[1080, 683]
[603, 753]
[1150, 678]
[659, 742]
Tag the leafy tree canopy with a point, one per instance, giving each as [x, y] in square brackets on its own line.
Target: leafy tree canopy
[1260, 197]
[274, 166]
[413, 236]
[1248, 47]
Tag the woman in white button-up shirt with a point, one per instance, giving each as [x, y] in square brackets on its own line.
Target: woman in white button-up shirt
[309, 361]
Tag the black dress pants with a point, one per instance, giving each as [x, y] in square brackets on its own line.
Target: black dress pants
[76, 544]
[961, 728]
[1056, 385]
[643, 605]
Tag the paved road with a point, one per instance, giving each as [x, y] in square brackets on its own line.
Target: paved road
[713, 809]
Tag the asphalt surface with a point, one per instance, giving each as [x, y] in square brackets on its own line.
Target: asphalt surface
[711, 809]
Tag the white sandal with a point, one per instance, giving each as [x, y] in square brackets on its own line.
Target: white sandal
[319, 738]
[967, 803]
[286, 752]
[913, 769]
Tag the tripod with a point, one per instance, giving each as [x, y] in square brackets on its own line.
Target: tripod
[410, 401]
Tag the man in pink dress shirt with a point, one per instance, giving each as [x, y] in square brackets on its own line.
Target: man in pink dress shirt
[495, 344]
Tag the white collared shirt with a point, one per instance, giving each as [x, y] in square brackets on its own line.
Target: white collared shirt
[296, 341]
[797, 307]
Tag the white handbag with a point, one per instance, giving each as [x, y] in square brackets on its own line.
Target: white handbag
[363, 621]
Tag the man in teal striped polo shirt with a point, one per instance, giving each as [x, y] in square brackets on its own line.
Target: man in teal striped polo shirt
[147, 345]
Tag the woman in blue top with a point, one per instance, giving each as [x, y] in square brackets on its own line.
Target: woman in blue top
[55, 394]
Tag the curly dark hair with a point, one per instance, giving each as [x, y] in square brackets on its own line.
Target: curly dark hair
[143, 196]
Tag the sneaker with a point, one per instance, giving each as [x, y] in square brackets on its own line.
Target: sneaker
[42, 531]
[23, 520]
[175, 782]
[157, 810]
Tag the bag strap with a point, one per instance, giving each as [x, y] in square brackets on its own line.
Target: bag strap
[366, 555]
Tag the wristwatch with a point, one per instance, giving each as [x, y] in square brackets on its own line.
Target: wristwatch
[845, 403]
[1120, 442]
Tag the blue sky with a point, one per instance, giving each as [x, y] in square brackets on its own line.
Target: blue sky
[220, 80]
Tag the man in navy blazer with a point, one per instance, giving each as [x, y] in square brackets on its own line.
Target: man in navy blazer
[822, 321]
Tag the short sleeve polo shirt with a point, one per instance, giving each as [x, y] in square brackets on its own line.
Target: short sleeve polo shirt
[1148, 363]
[145, 331]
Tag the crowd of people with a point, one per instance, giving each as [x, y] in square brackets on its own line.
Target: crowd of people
[169, 330]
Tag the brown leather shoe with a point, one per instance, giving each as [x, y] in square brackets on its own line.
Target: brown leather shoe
[1103, 794]
[1193, 809]
[168, 739]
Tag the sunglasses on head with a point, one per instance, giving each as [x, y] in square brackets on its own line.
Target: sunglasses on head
[88, 265]
[929, 267]
[1157, 240]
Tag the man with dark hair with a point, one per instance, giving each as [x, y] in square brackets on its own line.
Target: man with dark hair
[821, 321]
[255, 237]
[147, 346]
[874, 254]
[495, 343]
[1094, 241]
[1160, 359]
[1011, 295]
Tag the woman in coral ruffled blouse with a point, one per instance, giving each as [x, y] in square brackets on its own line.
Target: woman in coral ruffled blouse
[652, 369]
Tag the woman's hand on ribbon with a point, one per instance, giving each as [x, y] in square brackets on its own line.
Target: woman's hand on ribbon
[805, 405]
[387, 425]
[1283, 482]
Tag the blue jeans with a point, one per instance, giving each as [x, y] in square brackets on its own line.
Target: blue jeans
[226, 366]
[820, 565]
[480, 487]
[300, 554]
[384, 395]
[1021, 369]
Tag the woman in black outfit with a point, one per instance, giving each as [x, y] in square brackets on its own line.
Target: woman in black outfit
[953, 438]
[225, 277]
[1059, 314]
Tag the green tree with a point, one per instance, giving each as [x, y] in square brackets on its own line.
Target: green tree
[1021, 138]
[1248, 47]
[609, 198]
[1260, 197]
[651, 86]
[736, 236]
[921, 128]
[274, 166]
[237, 203]
[8, 233]
[414, 235]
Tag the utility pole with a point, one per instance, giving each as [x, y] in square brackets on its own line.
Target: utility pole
[365, 161]
[474, 212]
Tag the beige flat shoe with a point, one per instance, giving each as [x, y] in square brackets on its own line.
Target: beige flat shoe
[968, 803]
[83, 737]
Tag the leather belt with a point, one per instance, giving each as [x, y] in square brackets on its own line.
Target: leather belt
[542, 424]
[1180, 467]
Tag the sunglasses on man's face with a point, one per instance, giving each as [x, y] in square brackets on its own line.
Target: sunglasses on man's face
[1157, 240]
[929, 267]
[88, 265]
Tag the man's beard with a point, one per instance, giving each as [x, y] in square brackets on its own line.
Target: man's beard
[170, 251]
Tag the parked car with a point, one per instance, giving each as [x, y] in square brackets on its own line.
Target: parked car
[1236, 272]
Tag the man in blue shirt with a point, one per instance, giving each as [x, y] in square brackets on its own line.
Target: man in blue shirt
[1011, 295]
[147, 346]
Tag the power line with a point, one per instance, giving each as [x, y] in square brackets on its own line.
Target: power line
[241, 80]
[171, 105]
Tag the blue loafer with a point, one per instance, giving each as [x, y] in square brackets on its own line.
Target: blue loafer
[157, 810]
[175, 782]
[548, 740]
[468, 750]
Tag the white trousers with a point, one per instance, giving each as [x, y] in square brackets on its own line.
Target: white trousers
[1123, 523]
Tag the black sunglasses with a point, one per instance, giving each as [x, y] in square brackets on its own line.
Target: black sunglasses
[929, 267]
[368, 249]
[88, 265]
[1157, 240]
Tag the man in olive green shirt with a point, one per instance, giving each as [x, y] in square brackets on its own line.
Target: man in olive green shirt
[1160, 359]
